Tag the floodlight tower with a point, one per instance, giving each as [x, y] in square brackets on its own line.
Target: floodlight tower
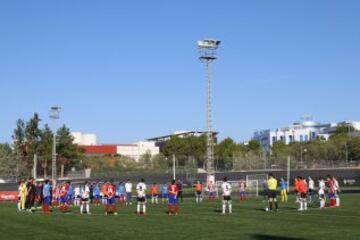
[54, 115]
[207, 54]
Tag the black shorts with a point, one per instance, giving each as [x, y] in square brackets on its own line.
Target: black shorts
[198, 192]
[155, 195]
[272, 194]
[84, 199]
[141, 199]
[303, 195]
[227, 198]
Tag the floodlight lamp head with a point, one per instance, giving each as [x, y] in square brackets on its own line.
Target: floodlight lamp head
[55, 112]
[209, 43]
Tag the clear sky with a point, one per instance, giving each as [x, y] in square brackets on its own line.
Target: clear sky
[129, 70]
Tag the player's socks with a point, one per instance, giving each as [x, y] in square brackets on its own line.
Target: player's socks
[223, 208]
[138, 209]
[81, 209]
[177, 209]
[169, 209]
[305, 205]
[113, 208]
[88, 208]
[276, 205]
[337, 200]
[144, 209]
[270, 205]
[230, 208]
[106, 208]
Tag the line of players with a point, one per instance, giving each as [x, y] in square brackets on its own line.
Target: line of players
[304, 190]
[33, 195]
[109, 194]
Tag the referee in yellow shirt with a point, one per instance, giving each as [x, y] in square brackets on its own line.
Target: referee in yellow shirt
[272, 184]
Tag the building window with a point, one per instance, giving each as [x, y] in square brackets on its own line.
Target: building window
[282, 138]
[301, 138]
[313, 135]
[290, 138]
[274, 139]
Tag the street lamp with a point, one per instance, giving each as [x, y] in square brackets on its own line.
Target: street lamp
[54, 115]
[207, 54]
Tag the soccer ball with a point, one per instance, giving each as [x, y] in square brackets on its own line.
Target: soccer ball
[266, 209]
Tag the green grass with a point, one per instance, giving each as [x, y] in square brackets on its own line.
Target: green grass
[196, 221]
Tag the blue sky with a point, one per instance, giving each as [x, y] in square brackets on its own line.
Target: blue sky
[128, 70]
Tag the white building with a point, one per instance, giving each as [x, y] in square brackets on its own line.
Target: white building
[136, 150]
[304, 131]
[86, 139]
[88, 142]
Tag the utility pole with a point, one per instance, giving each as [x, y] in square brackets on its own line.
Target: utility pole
[54, 115]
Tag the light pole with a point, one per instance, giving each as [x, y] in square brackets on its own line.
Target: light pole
[54, 115]
[207, 54]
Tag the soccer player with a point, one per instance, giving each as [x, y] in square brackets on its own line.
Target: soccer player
[212, 191]
[103, 193]
[173, 198]
[111, 198]
[85, 198]
[242, 190]
[164, 192]
[141, 197]
[19, 195]
[46, 197]
[198, 191]
[272, 185]
[23, 195]
[128, 189]
[322, 188]
[296, 190]
[64, 189]
[97, 194]
[331, 190]
[283, 190]
[71, 194]
[154, 193]
[121, 193]
[311, 186]
[77, 195]
[30, 195]
[57, 195]
[303, 189]
[226, 193]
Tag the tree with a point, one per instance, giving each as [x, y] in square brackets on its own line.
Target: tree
[8, 164]
[45, 147]
[32, 135]
[19, 138]
[68, 153]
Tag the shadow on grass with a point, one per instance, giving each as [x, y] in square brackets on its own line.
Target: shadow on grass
[270, 237]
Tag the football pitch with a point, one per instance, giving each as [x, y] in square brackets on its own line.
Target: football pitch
[196, 221]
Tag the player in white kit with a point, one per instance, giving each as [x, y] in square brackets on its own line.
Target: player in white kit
[77, 194]
[311, 188]
[141, 197]
[85, 199]
[226, 193]
[322, 188]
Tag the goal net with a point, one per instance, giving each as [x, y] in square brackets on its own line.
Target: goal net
[257, 180]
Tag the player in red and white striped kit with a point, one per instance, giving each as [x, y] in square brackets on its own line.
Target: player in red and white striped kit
[111, 199]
